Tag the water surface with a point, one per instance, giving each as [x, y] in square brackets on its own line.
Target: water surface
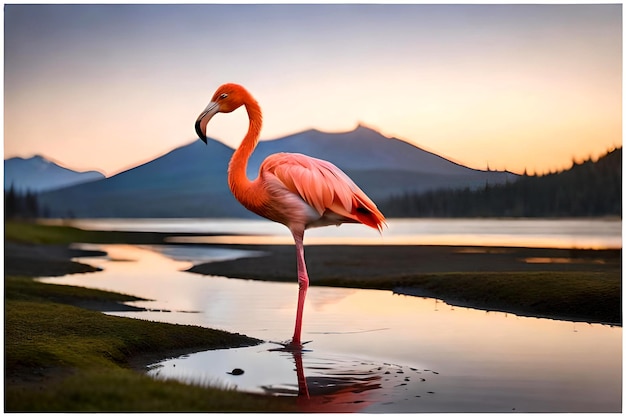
[549, 233]
[370, 350]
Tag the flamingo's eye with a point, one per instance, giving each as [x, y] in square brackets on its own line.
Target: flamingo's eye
[223, 96]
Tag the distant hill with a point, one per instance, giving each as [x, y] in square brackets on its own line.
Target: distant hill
[190, 181]
[586, 189]
[39, 174]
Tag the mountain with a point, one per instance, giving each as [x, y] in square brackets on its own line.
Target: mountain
[190, 181]
[586, 189]
[381, 166]
[39, 174]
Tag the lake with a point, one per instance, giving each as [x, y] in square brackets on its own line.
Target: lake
[370, 351]
[556, 233]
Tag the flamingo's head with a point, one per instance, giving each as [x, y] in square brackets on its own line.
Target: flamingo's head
[227, 98]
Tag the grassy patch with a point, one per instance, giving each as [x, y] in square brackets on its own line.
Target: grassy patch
[576, 295]
[36, 332]
[36, 233]
[63, 358]
[29, 232]
[118, 390]
[23, 288]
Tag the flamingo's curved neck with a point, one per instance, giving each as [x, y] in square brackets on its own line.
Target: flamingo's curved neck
[237, 179]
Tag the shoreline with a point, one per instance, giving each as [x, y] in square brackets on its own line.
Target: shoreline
[532, 282]
[423, 271]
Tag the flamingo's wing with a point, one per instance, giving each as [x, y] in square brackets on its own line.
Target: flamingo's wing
[324, 187]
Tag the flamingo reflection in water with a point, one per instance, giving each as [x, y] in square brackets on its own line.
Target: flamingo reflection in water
[337, 387]
[340, 384]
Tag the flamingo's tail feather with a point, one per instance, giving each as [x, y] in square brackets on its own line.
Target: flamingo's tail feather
[367, 213]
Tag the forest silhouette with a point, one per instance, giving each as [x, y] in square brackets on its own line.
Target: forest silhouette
[586, 189]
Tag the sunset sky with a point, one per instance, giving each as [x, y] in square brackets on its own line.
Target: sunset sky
[515, 87]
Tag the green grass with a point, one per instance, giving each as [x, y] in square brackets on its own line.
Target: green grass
[21, 288]
[98, 390]
[35, 233]
[63, 358]
[47, 334]
[116, 390]
[29, 232]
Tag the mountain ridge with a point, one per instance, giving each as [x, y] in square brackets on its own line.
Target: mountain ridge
[191, 180]
[357, 148]
[38, 173]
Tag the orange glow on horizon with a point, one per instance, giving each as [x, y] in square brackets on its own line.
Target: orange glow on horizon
[510, 87]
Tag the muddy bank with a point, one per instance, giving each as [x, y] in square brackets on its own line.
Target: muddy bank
[33, 260]
[360, 263]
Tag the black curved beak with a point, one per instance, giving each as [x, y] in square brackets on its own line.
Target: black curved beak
[201, 122]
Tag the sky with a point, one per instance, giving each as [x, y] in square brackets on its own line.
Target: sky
[517, 87]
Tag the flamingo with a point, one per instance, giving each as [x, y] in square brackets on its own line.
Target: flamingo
[296, 190]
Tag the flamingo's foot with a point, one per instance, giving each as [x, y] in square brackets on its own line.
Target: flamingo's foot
[291, 346]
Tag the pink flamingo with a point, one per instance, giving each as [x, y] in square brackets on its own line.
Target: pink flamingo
[293, 189]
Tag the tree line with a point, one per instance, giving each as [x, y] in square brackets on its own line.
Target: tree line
[586, 189]
[22, 204]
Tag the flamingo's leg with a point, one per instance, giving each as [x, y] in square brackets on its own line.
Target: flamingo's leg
[303, 284]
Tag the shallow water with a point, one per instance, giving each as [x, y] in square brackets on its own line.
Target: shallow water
[370, 350]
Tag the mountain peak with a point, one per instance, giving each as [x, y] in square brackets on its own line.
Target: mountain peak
[362, 127]
[38, 173]
[40, 159]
